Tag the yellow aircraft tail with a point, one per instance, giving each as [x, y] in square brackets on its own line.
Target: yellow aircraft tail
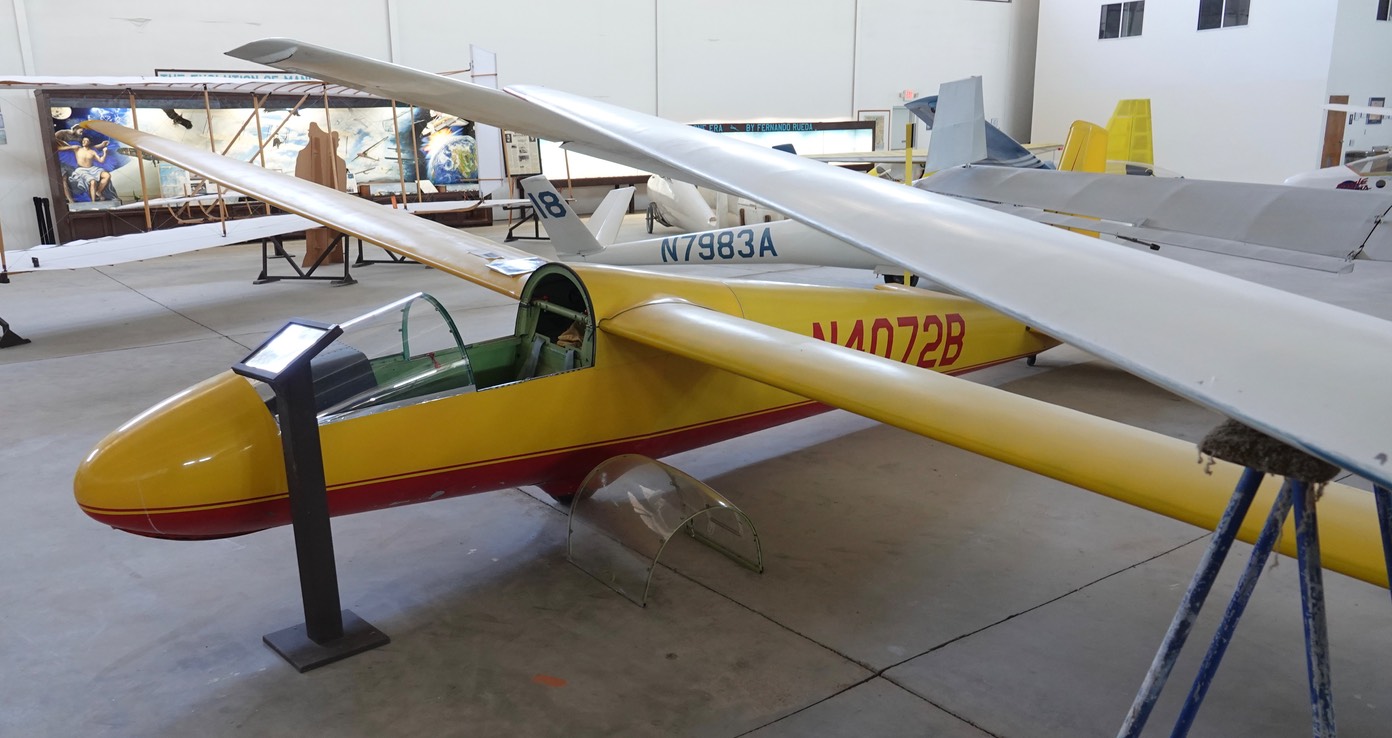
[1129, 133]
[1085, 149]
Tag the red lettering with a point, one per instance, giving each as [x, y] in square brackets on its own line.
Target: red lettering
[944, 337]
[956, 333]
[910, 322]
[935, 323]
[857, 338]
[888, 328]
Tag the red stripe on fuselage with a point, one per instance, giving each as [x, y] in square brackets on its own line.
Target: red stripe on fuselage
[561, 469]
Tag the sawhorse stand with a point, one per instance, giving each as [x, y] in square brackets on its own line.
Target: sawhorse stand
[392, 258]
[1304, 476]
[528, 216]
[339, 242]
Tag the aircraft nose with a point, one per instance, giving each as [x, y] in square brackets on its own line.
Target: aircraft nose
[205, 463]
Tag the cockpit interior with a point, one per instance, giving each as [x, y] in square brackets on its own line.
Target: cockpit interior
[410, 351]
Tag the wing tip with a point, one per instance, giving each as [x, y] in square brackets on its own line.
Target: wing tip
[266, 51]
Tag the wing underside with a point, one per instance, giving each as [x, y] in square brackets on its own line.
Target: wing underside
[1305, 372]
[1135, 466]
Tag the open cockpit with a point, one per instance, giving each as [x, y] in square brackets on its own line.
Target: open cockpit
[411, 350]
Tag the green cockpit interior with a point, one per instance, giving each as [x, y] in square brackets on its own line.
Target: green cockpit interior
[554, 333]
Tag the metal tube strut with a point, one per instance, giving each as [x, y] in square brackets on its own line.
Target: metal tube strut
[1384, 512]
[1243, 593]
[1194, 597]
[1312, 611]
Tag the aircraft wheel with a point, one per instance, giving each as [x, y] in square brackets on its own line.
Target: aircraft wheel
[899, 279]
[652, 215]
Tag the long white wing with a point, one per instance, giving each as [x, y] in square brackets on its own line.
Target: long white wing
[98, 252]
[1308, 373]
[1303, 371]
[111, 250]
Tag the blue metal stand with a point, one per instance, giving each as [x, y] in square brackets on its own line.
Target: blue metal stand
[1384, 511]
[1312, 611]
[1301, 496]
[1246, 584]
[1188, 612]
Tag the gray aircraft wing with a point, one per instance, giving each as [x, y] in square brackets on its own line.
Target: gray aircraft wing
[1316, 229]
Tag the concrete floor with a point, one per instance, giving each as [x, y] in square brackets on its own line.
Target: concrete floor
[911, 589]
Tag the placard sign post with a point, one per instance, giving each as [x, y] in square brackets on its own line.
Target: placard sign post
[328, 633]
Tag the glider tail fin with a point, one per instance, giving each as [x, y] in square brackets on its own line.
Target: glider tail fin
[1004, 151]
[1085, 149]
[605, 221]
[568, 234]
[1001, 149]
[1129, 133]
[958, 122]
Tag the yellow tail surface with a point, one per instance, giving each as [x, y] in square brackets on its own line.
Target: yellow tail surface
[1129, 133]
[1085, 149]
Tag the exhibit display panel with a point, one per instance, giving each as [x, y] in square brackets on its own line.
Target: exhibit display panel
[441, 149]
[101, 186]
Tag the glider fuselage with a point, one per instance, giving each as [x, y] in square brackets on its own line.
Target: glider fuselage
[173, 472]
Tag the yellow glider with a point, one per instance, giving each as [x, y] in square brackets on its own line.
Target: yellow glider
[662, 363]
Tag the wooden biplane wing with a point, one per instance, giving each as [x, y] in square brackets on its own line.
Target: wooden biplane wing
[1302, 371]
[1133, 465]
[470, 257]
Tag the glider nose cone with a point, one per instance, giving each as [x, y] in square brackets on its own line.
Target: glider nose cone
[205, 463]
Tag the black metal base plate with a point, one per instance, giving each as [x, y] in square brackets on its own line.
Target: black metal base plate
[10, 338]
[295, 646]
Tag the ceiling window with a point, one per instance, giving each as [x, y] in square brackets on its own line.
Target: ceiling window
[1384, 6]
[1120, 20]
[1224, 13]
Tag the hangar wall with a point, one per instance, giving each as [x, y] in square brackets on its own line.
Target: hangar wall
[1225, 101]
[682, 59]
[913, 44]
[733, 60]
[1361, 67]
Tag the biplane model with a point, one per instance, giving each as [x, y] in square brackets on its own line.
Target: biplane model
[203, 219]
[605, 361]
